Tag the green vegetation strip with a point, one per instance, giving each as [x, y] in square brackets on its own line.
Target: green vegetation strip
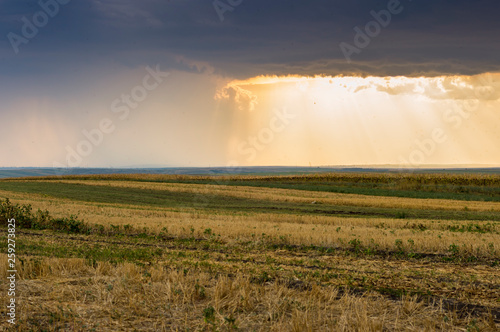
[116, 248]
[391, 189]
[146, 242]
[466, 187]
[228, 204]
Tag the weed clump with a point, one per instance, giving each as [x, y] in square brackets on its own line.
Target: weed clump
[25, 218]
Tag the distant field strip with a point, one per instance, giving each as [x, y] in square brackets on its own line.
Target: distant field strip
[303, 196]
[466, 187]
[237, 214]
[230, 199]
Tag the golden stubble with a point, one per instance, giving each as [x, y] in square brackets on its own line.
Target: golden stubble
[300, 196]
[72, 295]
[419, 235]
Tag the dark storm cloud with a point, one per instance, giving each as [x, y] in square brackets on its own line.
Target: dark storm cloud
[428, 37]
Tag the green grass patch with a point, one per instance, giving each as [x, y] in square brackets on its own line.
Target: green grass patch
[220, 203]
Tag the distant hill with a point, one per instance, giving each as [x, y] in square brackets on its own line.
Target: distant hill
[261, 170]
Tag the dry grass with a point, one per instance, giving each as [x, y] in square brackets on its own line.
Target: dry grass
[420, 235]
[70, 295]
[218, 270]
[300, 196]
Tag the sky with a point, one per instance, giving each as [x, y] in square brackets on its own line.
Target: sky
[123, 83]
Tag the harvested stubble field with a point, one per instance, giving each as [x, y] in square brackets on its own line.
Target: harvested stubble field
[335, 252]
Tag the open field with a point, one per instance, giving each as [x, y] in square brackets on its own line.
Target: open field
[341, 252]
[14, 172]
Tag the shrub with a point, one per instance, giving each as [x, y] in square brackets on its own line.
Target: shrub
[25, 218]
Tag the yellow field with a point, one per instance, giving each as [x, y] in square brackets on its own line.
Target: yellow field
[210, 266]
